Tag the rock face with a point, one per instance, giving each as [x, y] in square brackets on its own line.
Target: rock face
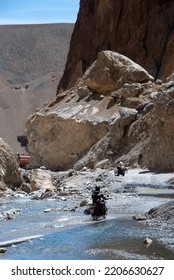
[140, 30]
[159, 151]
[9, 169]
[115, 111]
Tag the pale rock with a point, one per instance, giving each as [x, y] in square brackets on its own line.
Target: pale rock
[85, 202]
[102, 164]
[9, 168]
[147, 242]
[131, 90]
[48, 210]
[41, 179]
[110, 72]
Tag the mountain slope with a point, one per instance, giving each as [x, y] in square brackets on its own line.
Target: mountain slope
[30, 51]
[17, 102]
[3, 83]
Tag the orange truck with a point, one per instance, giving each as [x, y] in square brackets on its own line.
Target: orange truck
[23, 160]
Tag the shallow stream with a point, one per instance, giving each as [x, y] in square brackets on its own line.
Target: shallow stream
[66, 234]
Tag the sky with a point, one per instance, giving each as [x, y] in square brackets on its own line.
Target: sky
[38, 11]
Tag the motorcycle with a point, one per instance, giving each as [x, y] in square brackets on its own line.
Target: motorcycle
[97, 210]
[120, 171]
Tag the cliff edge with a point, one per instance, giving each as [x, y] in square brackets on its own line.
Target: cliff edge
[140, 30]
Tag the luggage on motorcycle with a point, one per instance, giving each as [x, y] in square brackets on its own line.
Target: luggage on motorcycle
[87, 211]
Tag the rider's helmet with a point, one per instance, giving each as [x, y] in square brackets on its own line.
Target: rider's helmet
[97, 189]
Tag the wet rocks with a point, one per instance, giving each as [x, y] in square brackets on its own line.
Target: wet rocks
[161, 214]
[48, 210]
[139, 217]
[3, 250]
[147, 241]
[42, 194]
[9, 215]
[171, 181]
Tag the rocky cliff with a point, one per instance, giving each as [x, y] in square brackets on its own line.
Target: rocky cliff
[115, 111]
[140, 30]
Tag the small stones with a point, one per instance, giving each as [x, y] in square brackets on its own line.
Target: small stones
[3, 250]
[147, 242]
[85, 202]
[139, 217]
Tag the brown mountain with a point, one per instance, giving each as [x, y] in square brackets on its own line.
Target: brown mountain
[32, 60]
[17, 102]
[140, 30]
[3, 83]
[30, 51]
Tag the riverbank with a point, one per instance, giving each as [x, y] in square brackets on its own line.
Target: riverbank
[62, 215]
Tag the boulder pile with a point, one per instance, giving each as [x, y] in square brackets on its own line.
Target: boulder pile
[116, 111]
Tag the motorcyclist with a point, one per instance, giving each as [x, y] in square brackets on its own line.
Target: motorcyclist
[120, 168]
[98, 201]
[99, 208]
[97, 195]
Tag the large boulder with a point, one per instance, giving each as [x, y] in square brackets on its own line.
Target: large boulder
[40, 179]
[115, 112]
[57, 142]
[110, 72]
[79, 126]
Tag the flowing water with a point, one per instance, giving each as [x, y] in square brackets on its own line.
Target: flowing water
[64, 234]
